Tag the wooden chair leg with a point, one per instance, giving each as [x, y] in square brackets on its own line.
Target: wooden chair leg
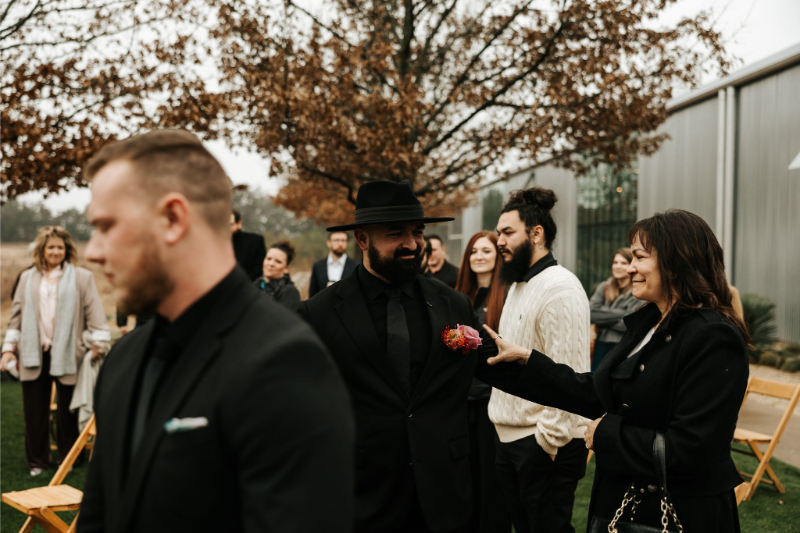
[27, 527]
[74, 523]
[763, 459]
[50, 521]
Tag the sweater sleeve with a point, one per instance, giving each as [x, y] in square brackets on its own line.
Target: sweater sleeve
[564, 326]
[15, 320]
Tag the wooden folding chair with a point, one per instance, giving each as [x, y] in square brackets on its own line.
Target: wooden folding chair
[589, 456]
[775, 389]
[53, 416]
[741, 492]
[42, 503]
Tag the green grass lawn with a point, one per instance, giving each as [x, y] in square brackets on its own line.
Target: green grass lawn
[767, 512]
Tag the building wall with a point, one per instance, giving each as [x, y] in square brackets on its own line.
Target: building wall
[683, 173]
[767, 196]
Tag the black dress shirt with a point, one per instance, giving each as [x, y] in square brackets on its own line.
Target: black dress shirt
[417, 319]
[543, 263]
[167, 345]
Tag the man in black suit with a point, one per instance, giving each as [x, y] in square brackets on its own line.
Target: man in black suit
[249, 248]
[384, 325]
[333, 268]
[437, 262]
[224, 412]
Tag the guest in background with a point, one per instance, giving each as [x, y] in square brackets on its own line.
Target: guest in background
[248, 247]
[437, 262]
[56, 302]
[424, 267]
[276, 282]
[479, 278]
[333, 268]
[612, 300]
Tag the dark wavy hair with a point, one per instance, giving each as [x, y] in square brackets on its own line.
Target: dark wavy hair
[287, 248]
[690, 262]
[534, 207]
[468, 281]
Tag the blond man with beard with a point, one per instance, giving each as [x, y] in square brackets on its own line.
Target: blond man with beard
[224, 413]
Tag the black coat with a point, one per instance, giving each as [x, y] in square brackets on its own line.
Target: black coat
[448, 275]
[250, 252]
[688, 382]
[281, 290]
[279, 436]
[319, 274]
[407, 448]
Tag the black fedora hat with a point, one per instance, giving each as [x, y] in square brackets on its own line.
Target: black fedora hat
[382, 202]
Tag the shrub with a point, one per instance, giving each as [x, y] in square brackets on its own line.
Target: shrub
[769, 359]
[791, 365]
[759, 317]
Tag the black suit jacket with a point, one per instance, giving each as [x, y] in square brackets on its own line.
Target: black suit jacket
[319, 274]
[448, 275]
[250, 252]
[688, 381]
[415, 447]
[279, 436]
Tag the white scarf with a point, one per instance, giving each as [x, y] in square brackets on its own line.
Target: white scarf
[62, 354]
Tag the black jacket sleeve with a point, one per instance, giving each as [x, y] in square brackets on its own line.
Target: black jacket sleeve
[313, 284]
[290, 297]
[710, 386]
[92, 517]
[297, 447]
[257, 259]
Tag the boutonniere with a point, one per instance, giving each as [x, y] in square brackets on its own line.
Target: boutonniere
[462, 338]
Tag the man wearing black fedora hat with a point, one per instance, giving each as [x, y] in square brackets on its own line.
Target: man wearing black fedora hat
[386, 326]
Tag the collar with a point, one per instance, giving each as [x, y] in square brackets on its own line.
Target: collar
[184, 328]
[537, 268]
[373, 286]
[332, 261]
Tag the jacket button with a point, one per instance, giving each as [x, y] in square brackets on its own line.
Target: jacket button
[641, 368]
[410, 415]
[652, 488]
[668, 338]
[626, 406]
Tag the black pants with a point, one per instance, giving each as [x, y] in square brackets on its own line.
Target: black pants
[489, 510]
[540, 492]
[36, 405]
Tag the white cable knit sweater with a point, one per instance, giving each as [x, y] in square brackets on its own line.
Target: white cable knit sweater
[549, 313]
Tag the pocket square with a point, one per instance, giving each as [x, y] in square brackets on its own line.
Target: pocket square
[177, 425]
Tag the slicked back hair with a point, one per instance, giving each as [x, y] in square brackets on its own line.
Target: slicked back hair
[167, 161]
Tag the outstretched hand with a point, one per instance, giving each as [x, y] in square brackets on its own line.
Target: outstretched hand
[507, 352]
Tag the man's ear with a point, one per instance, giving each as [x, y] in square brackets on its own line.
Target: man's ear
[362, 239]
[174, 211]
[537, 235]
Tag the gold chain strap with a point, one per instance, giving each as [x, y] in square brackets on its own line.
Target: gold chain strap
[630, 496]
[667, 507]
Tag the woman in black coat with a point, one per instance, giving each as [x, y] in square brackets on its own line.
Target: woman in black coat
[681, 369]
[276, 283]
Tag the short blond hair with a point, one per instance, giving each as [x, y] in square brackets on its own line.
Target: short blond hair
[41, 241]
[173, 161]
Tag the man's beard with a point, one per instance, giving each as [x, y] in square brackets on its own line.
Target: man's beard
[515, 268]
[396, 270]
[148, 287]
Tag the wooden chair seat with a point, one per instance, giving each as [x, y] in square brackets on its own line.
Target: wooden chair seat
[743, 435]
[57, 498]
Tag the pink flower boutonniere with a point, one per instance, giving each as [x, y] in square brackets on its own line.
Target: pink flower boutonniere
[462, 338]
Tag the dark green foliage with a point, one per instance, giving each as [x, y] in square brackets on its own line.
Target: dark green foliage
[769, 359]
[21, 222]
[791, 364]
[759, 317]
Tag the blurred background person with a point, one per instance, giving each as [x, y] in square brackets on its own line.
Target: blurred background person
[55, 303]
[479, 278]
[437, 262]
[276, 282]
[424, 268]
[612, 300]
[333, 268]
[248, 247]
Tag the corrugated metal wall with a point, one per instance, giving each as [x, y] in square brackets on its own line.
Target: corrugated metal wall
[767, 216]
[682, 174]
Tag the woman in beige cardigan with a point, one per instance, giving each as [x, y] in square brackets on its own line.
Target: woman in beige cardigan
[54, 305]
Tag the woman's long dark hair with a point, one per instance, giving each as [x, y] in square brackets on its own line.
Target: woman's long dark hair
[690, 261]
[468, 281]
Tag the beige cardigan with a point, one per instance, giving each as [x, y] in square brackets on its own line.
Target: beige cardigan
[89, 316]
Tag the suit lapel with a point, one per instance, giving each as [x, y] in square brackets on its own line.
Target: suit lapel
[438, 307]
[179, 384]
[355, 317]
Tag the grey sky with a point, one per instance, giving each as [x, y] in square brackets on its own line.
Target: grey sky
[754, 29]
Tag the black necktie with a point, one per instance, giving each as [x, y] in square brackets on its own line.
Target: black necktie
[163, 349]
[398, 345]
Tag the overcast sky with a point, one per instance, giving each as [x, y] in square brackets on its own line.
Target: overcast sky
[754, 30]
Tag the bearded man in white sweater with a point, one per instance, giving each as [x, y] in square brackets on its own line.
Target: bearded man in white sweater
[541, 454]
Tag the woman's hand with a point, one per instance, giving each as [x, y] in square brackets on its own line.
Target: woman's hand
[588, 435]
[506, 351]
[6, 358]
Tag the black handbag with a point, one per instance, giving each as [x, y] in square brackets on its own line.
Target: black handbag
[634, 496]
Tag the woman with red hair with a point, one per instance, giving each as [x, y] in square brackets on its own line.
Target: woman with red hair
[479, 278]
